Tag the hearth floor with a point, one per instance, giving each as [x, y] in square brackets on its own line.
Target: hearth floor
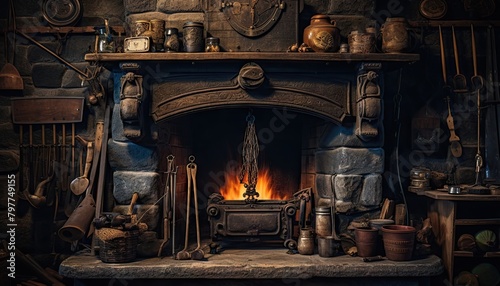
[255, 263]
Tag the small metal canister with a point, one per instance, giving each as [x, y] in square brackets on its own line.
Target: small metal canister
[361, 43]
[193, 37]
[323, 221]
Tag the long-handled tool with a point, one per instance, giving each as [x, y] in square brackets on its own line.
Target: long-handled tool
[167, 204]
[455, 146]
[197, 253]
[80, 184]
[477, 82]
[459, 80]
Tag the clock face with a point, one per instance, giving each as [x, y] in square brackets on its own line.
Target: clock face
[252, 18]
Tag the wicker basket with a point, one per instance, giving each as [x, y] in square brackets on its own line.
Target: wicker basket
[117, 245]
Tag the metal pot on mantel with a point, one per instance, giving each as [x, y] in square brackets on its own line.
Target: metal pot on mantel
[322, 35]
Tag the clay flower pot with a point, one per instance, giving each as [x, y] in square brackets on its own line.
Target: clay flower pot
[399, 241]
[366, 241]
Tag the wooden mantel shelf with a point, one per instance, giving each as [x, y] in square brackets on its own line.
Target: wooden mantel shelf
[266, 56]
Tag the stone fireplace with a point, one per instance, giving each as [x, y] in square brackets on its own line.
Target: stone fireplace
[318, 119]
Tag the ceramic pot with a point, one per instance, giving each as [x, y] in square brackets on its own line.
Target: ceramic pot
[395, 37]
[305, 243]
[158, 35]
[361, 43]
[322, 35]
[366, 241]
[399, 241]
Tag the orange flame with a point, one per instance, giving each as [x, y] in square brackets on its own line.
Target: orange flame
[234, 190]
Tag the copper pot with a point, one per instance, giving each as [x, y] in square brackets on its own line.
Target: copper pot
[322, 35]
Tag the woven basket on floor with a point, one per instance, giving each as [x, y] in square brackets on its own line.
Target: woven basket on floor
[117, 245]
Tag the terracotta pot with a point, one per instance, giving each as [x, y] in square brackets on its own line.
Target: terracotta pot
[322, 35]
[399, 241]
[395, 37]
[366, 241]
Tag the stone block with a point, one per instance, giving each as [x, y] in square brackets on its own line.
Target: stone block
[128, 156]
[344, 207]
[108, 9]
[174, 6]
[132, 6]
[148, 214]
[356, 161]
[5, 115]
[343, 136]
[371, 193]
[10, 161]
[21, 61]
[117, 125]
[38, 55]
[348, 7]
[324, 188]
[71, 78]
[348, 187]
[77, 46]
[48, 74]
[126, 183]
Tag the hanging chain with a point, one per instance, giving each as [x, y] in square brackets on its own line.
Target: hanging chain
[249, 169]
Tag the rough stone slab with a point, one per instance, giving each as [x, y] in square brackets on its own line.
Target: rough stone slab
[148, 214]
[173, 6]
[128, 156]
[48, 74]
[343, 136]
[21, 61]
[324, 185]
[356, 161]
[126, 183]
[134, 6]
[371, 193]
[10, 161]
[252, 263]
[39, 55]
[347, 187]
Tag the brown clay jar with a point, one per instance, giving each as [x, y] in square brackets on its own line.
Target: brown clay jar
[395, 38]
[322, 35]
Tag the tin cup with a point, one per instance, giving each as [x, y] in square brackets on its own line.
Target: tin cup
[157, 35]
[140, 27]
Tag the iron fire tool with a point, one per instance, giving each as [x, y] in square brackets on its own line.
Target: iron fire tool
[168, 206]
[197, 253]
[478, 83]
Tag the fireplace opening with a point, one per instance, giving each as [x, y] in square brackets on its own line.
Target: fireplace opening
[286, 142]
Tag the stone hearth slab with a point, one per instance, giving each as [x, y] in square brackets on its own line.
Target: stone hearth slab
[248, 264]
